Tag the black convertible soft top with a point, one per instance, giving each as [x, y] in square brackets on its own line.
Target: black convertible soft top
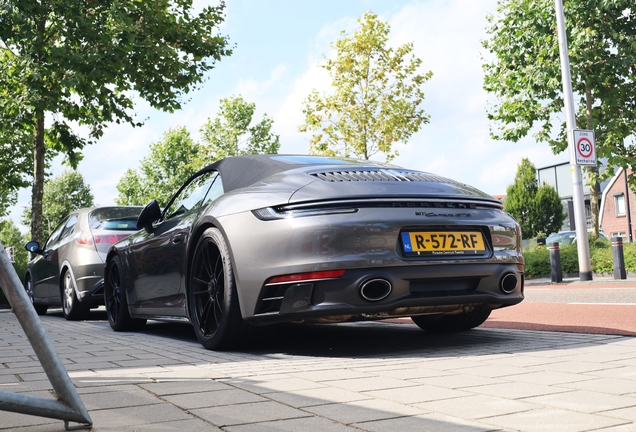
[242, 171]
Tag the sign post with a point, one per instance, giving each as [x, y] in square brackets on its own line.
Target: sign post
[579, 150]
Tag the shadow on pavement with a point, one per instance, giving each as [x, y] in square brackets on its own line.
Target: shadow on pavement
[371, 339]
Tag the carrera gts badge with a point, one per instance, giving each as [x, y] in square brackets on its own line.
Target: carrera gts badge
[432, 214]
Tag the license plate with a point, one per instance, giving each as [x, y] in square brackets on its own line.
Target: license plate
[443, 243]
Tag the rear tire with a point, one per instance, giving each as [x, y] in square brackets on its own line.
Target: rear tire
[213, 298]
[72, 308]
[116, 301]
[450, 323]
[28, 286]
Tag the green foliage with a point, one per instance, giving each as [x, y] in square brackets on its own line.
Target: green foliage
[62, 195]
[230, 133]
[10, 236]
[537, 259]
[376, 98]
[569, 258]
[170, 162]
[177, 156]
[538, 209]
[81, 62]
[524, 76]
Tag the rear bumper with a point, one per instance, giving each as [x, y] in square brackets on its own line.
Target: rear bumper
[414, 290]
[91, 289]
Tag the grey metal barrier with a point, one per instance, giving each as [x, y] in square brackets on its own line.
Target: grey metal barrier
[68, 406]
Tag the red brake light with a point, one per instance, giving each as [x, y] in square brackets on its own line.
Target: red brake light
[103, 239]
[109, 239]
[306, 276]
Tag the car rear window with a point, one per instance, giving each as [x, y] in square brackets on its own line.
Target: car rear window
[114, 218]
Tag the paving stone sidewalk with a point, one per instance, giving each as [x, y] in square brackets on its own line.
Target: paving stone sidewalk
[347, 377]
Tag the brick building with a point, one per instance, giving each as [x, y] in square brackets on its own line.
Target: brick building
[618, 208]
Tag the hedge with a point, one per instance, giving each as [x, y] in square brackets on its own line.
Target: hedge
[537, 258]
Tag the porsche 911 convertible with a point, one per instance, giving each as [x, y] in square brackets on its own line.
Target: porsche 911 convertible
[262, 239]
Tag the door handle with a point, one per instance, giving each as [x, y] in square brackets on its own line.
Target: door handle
[176, 238]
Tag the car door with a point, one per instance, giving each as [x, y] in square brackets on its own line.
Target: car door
[160, 258]
[45, 269]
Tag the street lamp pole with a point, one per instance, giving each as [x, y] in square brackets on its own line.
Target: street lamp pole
[585, 267]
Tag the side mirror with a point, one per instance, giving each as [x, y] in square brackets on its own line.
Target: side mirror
[34, 247]
[151, 213]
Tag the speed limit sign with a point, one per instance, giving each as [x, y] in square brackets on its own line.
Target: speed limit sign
[584, 150]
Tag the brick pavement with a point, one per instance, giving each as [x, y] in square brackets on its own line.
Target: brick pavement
[348, 377]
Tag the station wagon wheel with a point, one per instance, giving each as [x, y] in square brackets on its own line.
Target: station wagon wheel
[28, 286]
[116, 301]
[71, 306]
[449, 323]
[213, 299]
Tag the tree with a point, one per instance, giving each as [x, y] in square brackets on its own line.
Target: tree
[377, 95]
[538, 209]
[80, 62]
[230, 133]
[177, 156]
[525, 77]
[171, 161]
[10, 236]
[62, 195]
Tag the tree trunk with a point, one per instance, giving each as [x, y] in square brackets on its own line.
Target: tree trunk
[595, 188]
[37, 193]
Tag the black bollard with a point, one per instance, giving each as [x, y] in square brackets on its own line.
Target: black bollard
[619, 258]
[556, 275]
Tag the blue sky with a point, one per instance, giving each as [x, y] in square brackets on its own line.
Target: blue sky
[275, 64]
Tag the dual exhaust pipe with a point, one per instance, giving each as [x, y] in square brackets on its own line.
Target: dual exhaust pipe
[378, 289]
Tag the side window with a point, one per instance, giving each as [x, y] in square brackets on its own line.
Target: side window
[192, 196]
[69, 227]
[215, 191]
[56, 233]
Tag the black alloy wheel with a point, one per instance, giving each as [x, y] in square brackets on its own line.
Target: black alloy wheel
[450, 323]
[213, 300]
[28, 286]
[115, 299]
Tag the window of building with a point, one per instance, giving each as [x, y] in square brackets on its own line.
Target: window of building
[619, 200]
[619, 234]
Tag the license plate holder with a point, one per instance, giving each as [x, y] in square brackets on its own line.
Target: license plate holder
[440, 243]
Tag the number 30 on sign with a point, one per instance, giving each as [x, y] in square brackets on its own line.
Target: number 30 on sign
[584, 150]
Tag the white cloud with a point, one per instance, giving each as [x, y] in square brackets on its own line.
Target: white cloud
[251, 89]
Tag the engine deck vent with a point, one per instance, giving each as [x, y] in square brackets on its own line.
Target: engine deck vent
[380, 175]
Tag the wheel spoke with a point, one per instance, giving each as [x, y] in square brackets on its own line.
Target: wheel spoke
[218, 272]
[198, 279]
[206, 260]
[205, 314]
[218, 311]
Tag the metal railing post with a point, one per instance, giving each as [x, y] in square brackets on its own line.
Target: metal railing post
[68, 406]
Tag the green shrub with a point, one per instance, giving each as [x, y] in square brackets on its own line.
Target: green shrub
[537, 259]
[20, 269]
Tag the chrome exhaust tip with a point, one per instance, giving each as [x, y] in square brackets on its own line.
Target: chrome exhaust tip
[375, 289]
[508, 283]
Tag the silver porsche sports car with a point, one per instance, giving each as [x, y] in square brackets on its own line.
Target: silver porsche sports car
[255, 240]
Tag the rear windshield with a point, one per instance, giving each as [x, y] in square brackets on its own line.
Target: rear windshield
[114, 218]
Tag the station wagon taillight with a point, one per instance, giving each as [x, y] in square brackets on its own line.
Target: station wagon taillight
[101, 239]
